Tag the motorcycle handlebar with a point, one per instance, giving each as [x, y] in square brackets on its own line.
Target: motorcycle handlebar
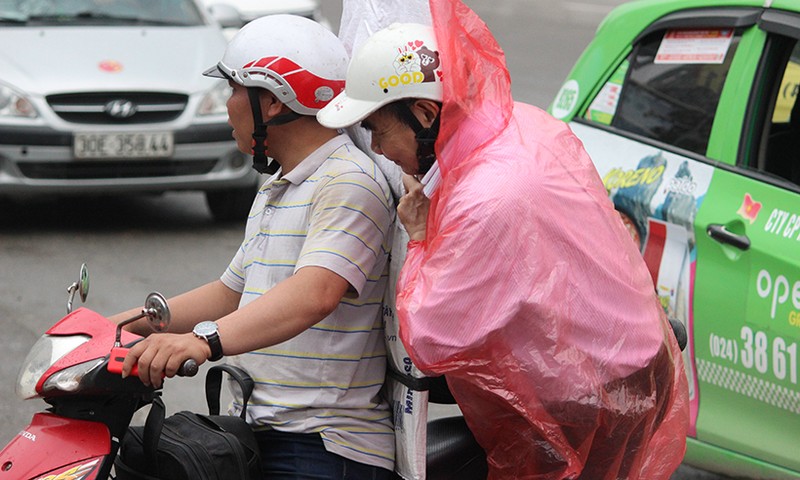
[188, 368]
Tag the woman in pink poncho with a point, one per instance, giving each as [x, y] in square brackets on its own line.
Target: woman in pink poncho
[521, 284]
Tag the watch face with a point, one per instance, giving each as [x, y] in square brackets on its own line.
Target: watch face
[204, 329]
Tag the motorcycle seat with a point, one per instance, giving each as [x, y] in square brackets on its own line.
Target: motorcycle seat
[452, 452]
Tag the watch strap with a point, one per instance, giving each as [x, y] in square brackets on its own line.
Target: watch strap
[216, 346]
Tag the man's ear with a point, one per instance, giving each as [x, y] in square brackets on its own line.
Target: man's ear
[426, 111]
[270, 106]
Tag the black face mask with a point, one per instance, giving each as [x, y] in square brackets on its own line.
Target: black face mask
[426, 138]
[426, 141]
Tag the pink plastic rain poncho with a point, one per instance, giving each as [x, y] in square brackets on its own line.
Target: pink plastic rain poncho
[528, 292]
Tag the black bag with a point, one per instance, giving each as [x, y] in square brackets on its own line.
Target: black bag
[189, 446]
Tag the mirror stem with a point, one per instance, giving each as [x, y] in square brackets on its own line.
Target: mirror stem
[146, 312]
[71, 291]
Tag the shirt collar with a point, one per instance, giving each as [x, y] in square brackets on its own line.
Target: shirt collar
[311, 163]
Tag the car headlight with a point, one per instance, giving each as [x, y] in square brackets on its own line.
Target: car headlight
[14, 104]
[44, 353]
[213, 103]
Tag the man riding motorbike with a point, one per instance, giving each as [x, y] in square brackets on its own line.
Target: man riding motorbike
[296, 307]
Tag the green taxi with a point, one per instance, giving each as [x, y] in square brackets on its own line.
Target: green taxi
[690, 111]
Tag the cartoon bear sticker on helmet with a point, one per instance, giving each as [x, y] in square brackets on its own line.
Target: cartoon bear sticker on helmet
[430, 62]
[414, 63]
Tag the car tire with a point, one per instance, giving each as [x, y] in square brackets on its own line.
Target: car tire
[232, 204]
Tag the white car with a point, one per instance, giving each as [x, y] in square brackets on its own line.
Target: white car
[240, 12]
[108, 96]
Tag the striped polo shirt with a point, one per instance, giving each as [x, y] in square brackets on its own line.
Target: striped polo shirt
[334, 211]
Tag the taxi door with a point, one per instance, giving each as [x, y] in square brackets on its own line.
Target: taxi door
[747, 284]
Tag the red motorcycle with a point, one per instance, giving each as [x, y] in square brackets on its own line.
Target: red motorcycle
[75, 367]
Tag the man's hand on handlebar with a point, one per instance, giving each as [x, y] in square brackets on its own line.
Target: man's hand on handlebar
[162, 355]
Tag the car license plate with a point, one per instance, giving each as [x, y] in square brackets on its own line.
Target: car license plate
[123, 145]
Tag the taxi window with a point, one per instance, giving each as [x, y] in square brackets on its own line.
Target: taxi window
[788, 89]
[782, 152]
[669, 87]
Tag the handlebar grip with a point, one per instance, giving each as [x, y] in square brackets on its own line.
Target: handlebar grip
[189, 368]
[115, 359]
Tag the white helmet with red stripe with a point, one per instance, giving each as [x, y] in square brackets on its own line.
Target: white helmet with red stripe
[297, 59]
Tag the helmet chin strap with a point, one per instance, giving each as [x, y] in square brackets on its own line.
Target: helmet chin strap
[426, 138]
[261, 162]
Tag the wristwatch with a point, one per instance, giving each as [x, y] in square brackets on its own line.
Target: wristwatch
[209, 332]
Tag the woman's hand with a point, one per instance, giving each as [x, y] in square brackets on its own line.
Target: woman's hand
[413, 209]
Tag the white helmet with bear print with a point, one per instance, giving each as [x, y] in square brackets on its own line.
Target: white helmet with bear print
[400, 61]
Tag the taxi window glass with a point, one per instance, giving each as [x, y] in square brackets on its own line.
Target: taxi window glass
[788, 89]
[604, 105]
[783, 141]
[669, 87]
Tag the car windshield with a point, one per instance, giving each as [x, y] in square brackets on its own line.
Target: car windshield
[99, 12]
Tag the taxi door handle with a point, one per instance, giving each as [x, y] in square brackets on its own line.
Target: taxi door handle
[723, 235]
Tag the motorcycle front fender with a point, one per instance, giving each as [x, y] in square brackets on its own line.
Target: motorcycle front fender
[52, 445]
